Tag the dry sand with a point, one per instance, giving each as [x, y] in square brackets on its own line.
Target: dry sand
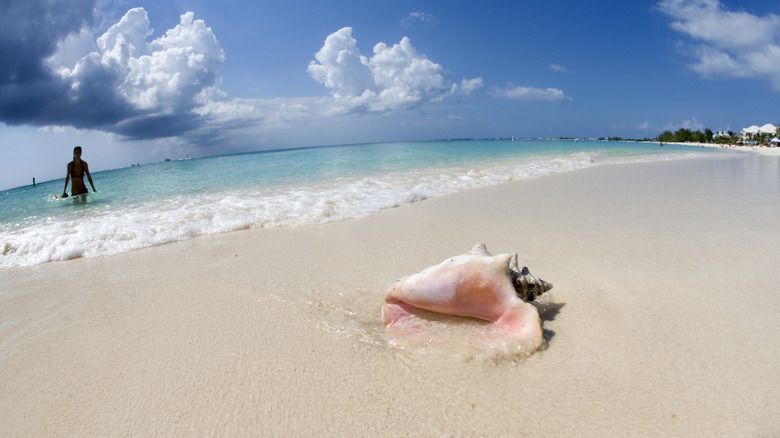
[663, 320]
[762, 150]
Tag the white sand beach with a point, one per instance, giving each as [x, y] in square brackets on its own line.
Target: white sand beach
[763, 150]
[663, 321]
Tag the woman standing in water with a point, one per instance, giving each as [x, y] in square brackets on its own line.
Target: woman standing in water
[76, 170]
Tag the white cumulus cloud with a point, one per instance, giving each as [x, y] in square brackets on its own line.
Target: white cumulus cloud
[340, 66]
[728, 43]
[531, 93]
[121, 82]
[403, 77]
[395, 77]
[164, 75]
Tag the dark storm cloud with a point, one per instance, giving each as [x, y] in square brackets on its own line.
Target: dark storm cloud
[29, 32]
[129, 86]
[157, 126]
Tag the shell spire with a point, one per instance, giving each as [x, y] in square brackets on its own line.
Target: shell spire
[527, 286]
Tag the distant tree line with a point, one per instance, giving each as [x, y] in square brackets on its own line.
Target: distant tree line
[684, 135]
[731, 138]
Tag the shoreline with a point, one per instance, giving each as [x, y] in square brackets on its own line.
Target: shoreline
[45, 232]
[277, 332]
[762, 150]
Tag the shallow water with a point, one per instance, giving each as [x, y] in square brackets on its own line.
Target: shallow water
[154, 204]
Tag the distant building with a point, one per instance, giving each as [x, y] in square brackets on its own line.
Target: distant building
[721, 134]
[753, 130]
[768, 129]
[748, 132]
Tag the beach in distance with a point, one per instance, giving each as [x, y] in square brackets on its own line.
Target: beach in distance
[663, 319]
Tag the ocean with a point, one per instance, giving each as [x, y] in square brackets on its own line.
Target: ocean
[154, 204]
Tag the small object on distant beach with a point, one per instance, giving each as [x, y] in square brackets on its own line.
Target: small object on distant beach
[476, 285]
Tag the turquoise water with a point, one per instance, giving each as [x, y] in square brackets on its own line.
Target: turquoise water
[154, 204]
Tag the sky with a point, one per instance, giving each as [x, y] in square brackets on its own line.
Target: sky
[136, 82]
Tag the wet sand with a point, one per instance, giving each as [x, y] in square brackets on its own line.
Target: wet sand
[663, 320]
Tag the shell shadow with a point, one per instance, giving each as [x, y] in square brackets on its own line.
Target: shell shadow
[547, 312]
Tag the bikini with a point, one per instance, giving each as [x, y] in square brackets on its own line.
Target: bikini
[73, 172]
[81, 177]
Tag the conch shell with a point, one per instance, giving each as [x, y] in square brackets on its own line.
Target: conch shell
[477, 285]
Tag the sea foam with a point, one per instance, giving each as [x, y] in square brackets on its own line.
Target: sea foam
[121, 227]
